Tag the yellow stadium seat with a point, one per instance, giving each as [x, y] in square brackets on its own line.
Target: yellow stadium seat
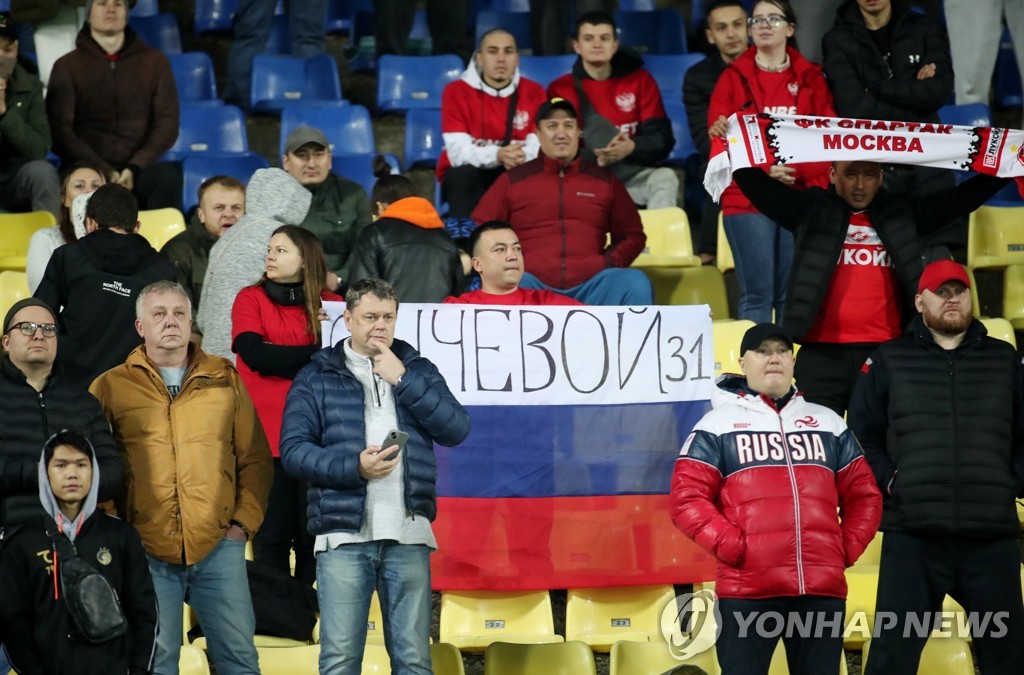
[471, 620]
[160, 225]
[1001, 329]
[861, 592]
[13, 287]
[375, 659]
[375, 621]
[780, 666]
[872, 555]
[1013, 295]
[191, 620]
[668, 239]
[723, 255]
[602, 616]
[726, 337]
[192, 661]
[654, 658]
[941, 656]
[566, 658]
[445, 659]
[975, 302]
[303, 660]
[690, 286]
[995, 238]
[16, 229]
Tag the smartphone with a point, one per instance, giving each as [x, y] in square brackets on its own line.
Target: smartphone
[394, 437]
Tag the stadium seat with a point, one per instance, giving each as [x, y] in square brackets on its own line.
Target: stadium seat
[347, 127]
[423, 141]
[941, 656]
[279, 40]
[723, 257]
[862, 588]
[507, 5]
[1008, 195]
[280, 80]
[726, 336]
[995, 238]
[193, 74]
[668, 239]
[209, 130]
[967, 115]
[191, 620]
[16, 229]
[192, 661]
[1013, 295]
[1008, 85]
[445, 659]
[13, 287]
[566, 658]
[214, 15]
[702, 285]
[405, 82]
[160, 225]
[159, 31]
[545, 69]
[872, 555]
[56, 37]
[1001, 329]
[779, 665]
[600, 617]
[654, 658]
[658, 32]
[340, 14]
[638, 5]
[975, 302]
[684, 148]
[359, 168]
[669, 70]
[516, 23]
[197, 168]
[146, 8]
[304, 660]
[471, 620]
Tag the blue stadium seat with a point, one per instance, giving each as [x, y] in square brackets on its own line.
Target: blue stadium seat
[658, 32]
[209, 130]
[359, 168]
[281, 80]
[516, 23]
[341, 14]
[280, 39]
[214, 15]
[160, 31]
[638, 5]
[684, 146]
[193, 74]
[1008, 85]
[348, 128]
[145, 8]
[507, 5]
[967, 115]
[544, 69]
[423, 142]
[197, 168]
[405, 82]
[669, 71]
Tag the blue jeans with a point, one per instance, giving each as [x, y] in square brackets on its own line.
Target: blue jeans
[613, 286]
[763, 252]
[217, 587]
[346, 577]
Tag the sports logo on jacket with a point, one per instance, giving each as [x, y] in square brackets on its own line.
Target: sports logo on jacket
[626, 101]
[793, 88]
[103, 556]
[771, 448]
[806, 422]
[521, 119]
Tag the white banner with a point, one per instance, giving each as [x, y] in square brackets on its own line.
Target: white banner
[540, 355]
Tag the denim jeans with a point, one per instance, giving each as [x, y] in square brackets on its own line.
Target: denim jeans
[346, 577]
[763, 252]
[217, 587]
[616, 286]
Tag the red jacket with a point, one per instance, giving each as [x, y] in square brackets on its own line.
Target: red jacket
[759, 488]
[739, 90]
[474, 118]
[563, 215]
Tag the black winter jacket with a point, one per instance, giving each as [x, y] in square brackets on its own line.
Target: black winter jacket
[39, 634]
[865, 86]
[819, 220]
[95, 282]
[698, 85]
[943, 431]
[27, 419]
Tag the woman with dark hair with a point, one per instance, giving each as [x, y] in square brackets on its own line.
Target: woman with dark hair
[407, 245]
[80, 178]
[770, 77]
[275, 331]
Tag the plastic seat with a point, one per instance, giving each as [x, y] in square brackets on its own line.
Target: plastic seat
[723, 256]
[941, 656]
[471, 620]
[658, 32]
[193, 75]
[423, 141]
[654, 658]
[359, 168]
[566, 658]
[160, 225]
[340, 14]
[779, 665]
[726, 336]
[872, 555]
[191, 620]
[995, 238]
[690, 286]
[669, 70]
[159, 31]
[348, 128]
[405, 82]
[197, 168]
[684, 147]
[281, 80]
[145, 8]
[204, 129]
[279, 40]
[13, 287]
[516, 23]
[966, 115]
[1013, 295]
[214, 15]
[861, 591]
[668, 239]
[1001, 329]
[508, 5]
[304, 660]
[446, 659]
[545, 69]
[16, 229]
[638, 5]
[600, 617]
[192, 661]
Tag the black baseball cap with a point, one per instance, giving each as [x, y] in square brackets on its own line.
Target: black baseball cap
[547, 107]
[755, 335]
[7, 26]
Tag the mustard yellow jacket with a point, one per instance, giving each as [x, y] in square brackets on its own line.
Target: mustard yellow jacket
[193, 463]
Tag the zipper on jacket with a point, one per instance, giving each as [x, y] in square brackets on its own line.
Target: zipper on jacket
[375, 380]
[796, 508]
[956, 440]
[561, 219]
[42, 413]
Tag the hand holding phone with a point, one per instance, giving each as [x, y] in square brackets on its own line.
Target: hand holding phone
[394, 438]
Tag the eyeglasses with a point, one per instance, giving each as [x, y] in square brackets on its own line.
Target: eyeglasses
[772, 20]
[29, 328]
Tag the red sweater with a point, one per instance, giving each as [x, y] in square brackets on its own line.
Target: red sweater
[742, 88]
[520, 296]
[255, 312]
[563, 215]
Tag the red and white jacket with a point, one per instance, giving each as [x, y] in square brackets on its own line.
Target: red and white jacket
[759, 488]
[474, 117]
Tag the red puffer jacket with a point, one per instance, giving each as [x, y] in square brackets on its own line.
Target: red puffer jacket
[759, 488]
[563, 214]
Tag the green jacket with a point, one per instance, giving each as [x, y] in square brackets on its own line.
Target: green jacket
[338, 213]
[189, 251]
[24, 132]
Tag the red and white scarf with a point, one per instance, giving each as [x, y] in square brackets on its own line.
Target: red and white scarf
[763, 140]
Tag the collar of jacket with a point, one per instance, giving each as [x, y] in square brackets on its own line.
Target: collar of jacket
[746, 64]
[14, 374]
[87, 44]
[624, 62]
[552, 165]
[333, 359]
[975, 331]
[199, 363]
[474, 78]
[199, 234]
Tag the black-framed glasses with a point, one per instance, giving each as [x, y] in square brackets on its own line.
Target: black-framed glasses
[772, 20]
[29, 328]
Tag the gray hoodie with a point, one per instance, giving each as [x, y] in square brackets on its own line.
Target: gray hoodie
[272, 199]
[49, 500]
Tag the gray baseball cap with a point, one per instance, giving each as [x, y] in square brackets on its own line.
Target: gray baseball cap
[304, 136]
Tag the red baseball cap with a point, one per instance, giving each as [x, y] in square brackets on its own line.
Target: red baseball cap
[939, 272]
